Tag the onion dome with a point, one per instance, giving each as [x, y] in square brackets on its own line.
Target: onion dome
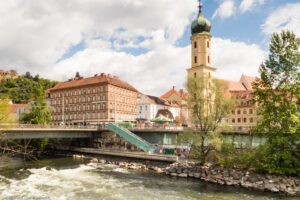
[201, 24]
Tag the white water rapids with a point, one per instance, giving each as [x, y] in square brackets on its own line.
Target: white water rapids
[95, 181]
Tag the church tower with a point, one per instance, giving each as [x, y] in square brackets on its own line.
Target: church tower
[200, 47]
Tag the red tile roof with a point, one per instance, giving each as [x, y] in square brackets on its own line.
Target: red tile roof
[102, 79]
[234, 85]
[172, 91]
[3, 72]
[249, 80]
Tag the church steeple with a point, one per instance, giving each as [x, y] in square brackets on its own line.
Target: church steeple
[200, 46]
[200, 7]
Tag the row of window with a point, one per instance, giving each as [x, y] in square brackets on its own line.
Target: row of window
[81, 107]
[80, 116]
[92, 91]
[79, 100]
[93, 98]
[88, 116]
[196, 59]
[244, 112]
[78, 92]
[195, 44]
[240, 120]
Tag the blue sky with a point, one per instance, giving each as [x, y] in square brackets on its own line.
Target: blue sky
[144, 43]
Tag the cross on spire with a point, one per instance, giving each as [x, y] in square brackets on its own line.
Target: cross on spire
[200, 6]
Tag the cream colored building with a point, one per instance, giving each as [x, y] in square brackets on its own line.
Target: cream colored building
[149, 106]
[245, 115]
[101, 98]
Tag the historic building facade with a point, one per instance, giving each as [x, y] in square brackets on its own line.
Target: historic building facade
[101, 98]
[245, 115]
[180, 98]
[149, 107]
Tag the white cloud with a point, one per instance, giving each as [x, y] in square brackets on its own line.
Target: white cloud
[158, 70]
[232, 59]
[247, 5]
[226, 9]
[35, 34]
[285, 17]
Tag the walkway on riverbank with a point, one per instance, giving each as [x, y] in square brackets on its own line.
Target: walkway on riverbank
[127, 154]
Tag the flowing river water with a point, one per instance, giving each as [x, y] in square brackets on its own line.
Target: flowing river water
[68, 179]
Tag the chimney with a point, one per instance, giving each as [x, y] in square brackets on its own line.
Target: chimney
[181, 91]
[116, 77]
[102, 75]
[108, 76]
[95, 75]
[77, 75]
[173, 87]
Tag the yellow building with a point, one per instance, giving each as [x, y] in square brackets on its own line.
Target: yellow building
[245, 115]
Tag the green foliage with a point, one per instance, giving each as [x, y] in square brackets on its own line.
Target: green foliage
[201, 143]
[5, 116]
[39, 112]
[230, 157]
[277, 94]
[21, 89]
[208, 104]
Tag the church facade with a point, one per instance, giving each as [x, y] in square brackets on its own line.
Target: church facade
[245, 114]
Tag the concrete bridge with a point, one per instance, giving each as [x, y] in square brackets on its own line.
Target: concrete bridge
[40, 132]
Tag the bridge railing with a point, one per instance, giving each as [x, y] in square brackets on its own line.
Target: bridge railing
[40, 126]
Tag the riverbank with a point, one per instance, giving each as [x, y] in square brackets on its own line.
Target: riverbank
[283, 185]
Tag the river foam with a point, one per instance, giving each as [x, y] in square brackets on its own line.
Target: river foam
[95, 181]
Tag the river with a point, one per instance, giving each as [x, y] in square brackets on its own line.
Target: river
[68, 179]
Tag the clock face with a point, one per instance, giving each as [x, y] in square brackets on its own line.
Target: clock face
[195, 51]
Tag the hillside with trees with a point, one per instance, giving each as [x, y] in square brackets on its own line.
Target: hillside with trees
[22, 89]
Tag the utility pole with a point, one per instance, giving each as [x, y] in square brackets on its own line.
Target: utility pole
[63, 108]
[115, 105]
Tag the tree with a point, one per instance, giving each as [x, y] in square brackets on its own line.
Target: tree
[277, 95]
[39, 112]
[5, 116]
[21, 89]
[209, 102]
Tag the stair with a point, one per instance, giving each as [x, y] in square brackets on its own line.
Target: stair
[131, 137]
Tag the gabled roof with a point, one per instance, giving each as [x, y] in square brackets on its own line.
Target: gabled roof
[247, 81]
[174, 91]
[156, 100]
[161, 101]
[234, 85]
[102, 79]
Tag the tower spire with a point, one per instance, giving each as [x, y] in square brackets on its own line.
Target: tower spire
[200, 7]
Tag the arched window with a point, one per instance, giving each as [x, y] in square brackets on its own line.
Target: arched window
[207, 44]
[195, 74]
[195, 45]
[195, 59]
[208, 60]
[208, 74]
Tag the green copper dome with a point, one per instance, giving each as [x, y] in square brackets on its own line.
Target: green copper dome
[201, 24]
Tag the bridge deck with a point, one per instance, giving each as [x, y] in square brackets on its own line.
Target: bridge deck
[137, 155]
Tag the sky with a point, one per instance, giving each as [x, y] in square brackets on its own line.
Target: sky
[146, 43]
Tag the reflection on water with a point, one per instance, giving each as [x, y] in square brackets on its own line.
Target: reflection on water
[64, 179]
